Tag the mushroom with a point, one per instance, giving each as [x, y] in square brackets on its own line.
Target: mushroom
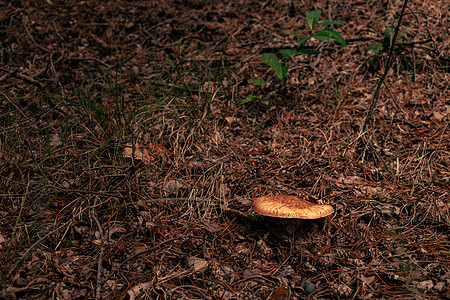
[288, 206]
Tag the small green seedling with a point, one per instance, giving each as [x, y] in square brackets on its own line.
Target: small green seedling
[280, 69]
[326, 35]
[247, 99]
[385, 43]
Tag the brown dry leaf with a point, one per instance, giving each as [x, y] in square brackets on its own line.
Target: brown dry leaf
[276, 145]
[223, 271]
[173, 187]
[65, 291]
[425, 285]
[158, 149]
[367, 280]
[116, 228]
[140, 153]
[2, 240]
[247, 273]
[389, 209]
[232, 120]
[437, 116]
[138, 289]
[55, 140]
[279, 294]
[196, 263]
[345, 181]
[212, 227]
[121, 245]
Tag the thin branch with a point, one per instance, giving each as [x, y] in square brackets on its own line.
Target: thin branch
[24, 20]
[98, 287]
[24, 255]
[388, 67]
[139, 254]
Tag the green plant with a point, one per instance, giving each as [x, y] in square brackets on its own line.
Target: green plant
[385, 43]
[326, 35]
[280, 69]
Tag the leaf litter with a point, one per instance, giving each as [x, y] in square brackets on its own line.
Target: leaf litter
[83, 83]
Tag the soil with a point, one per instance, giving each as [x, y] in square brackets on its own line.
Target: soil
[134, 138]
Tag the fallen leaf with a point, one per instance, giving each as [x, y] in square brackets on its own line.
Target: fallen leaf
[425, 285]
[279, 294]
[55, 140]
[140, 153]
[367, 280]
[437, 116]
[136, 290]
[232, 120]
[172, 187]
[247, 273]
[116, 228]
[196, 263]
[158, 149]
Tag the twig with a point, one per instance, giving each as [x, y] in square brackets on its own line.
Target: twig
[386, 70]
[348, 41]
[133, 137]
[52, 68]
[240, 214]
[98, 287]
[16, 265]
[29, 79]
[139, 254]
[365, 134]
[86, 192]
[15, 105]
[31, 37]
[91, 58]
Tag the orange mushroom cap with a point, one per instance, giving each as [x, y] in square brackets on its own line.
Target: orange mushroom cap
[288, 206]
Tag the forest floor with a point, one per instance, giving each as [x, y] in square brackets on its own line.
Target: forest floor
[129, 160]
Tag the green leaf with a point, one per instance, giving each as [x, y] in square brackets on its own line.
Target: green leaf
[288, 53]
[281, 71]
[404, 36]
[272, 60]
[307, 51]
[312, 17]
[375, 47]
[269, 58]
[259, 82]
[247, 99]
[330, 22]
[300, 39]
[388, 31]
[329, 35]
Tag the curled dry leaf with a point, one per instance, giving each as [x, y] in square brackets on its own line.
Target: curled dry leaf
[279, 294]
[196, 263]
[146, 154]
[173, 187]
[140, 153]
[138, 289]
[367, 280]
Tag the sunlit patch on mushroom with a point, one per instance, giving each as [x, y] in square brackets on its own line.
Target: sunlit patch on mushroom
[289, 206]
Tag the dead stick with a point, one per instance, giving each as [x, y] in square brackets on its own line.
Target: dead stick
[386, 70]
[19, 262]
[139, 254]
[98, 288]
